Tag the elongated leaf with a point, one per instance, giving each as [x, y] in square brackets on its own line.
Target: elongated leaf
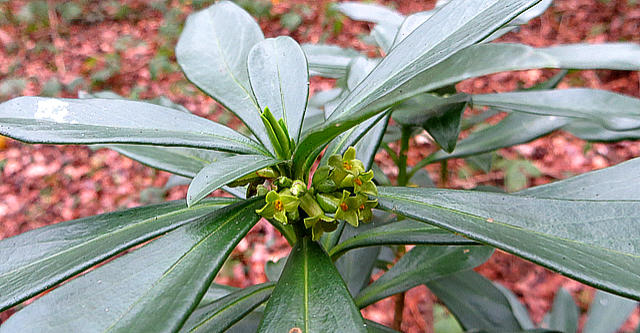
[512, 130]
[311, 296]
[590, 131]
[607, 313]
[226, 170]
[457, 25]
[370, 12]
[595, 242]
[517, 308]
[223, 313]
[356, 266]
[421, 265]
[475, 302]
[213, 50]
[614, 111]
[564, 313]
[39, 259]
[87, 121]
[152, 289]
[178, 160]
[280, 80]
[484, 59]
[328, 60]
[614, 183]
[373, 327]
[397, 233]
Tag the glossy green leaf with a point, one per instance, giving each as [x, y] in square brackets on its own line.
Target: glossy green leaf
[213, 50]
[613, 111]
[591, 131]
[311, 296]
[398, 233]
[475, 302]
[328, 60]
[512, 130]
[595, 242]
[226, 170]
[89, 121]
[564, 313]
[456, 26]
[280, 80]
[152, 289]
[373, 327]
[39, 259]
[384, 34]
[421, 265]
[607, 313]
[356, 266]
[228, 310]
[618, 182]
[177, 160]
[485, 59]
[214, 293]
[370, 12]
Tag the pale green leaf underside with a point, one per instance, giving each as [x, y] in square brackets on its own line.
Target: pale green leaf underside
[213, 50]
[280, 80]
[152, 289]
[94, 121]
[614, 111]
[311, 296]
[224, 171]
[328, 60]
[41, 258]
[596, 242]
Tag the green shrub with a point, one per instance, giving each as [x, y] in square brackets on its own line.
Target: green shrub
[584, 227]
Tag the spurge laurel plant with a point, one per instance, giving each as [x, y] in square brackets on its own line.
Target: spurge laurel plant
[584, 227]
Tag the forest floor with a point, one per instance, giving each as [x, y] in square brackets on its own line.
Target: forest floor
[127, 47]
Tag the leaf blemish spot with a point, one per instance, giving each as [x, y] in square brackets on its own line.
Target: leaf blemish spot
[295, 330]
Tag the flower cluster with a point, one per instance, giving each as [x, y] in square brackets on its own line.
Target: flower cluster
[339, 192]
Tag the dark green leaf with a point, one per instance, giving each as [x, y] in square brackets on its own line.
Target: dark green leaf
[519, 310]
[273, 269]
[421, 265]
[595, 242]
[607, 313]
[90, 121]
[456, 26]
[224, 171]
[564, 313]
[356, 266]
[512, 130]
[475, 302]
[328, 60]
[39, 259]
[153, 289]
[618, 182]
[213, 50]
[280, 80]
[223, 313]
[311, 296]
[439, 116]
[398, 233]
[613, 111]
[178, 160]
[373, 327]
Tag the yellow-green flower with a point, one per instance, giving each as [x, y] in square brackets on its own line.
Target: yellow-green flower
[345, 165]
[363, 183]
[364, 211]
[348, 208]
[278, 205]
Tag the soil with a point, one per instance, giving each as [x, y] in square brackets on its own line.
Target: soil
[43, 184]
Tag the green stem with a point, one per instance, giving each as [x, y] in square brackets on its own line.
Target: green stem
[444, 173]
[403, 179]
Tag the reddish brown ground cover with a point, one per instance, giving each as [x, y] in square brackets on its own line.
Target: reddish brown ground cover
[42, 184]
